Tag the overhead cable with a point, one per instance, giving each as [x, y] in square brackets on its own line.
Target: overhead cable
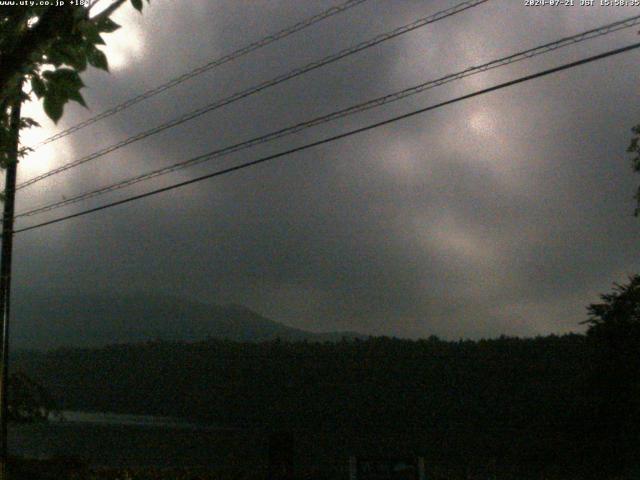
[258, 88]
[333, 138]
[263, 42]
[361, 107]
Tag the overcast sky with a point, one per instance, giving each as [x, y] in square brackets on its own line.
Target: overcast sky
[504, 214]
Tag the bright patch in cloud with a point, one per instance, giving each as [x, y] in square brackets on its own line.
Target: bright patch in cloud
[47, 156]
[451, 238]
[482, 122]
[125, 44]
[405, 157]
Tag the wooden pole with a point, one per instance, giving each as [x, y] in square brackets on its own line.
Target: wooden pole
[5, 274]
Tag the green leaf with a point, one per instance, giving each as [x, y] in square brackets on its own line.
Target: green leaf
[137, 4]
[98, 59]
[75, 57]
[77, 97]
[54, 57]
[69, 54]
[90, 32]
[80, 13]
[24, 151]
[95, 38]
[107, 25]
[27, 122]
[53, 106]
[63, 81]
[38, 86]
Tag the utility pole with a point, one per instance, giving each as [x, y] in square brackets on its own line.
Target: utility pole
[5, 272]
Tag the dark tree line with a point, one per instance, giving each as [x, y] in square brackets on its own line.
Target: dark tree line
[558, 402]
[614, 375]
[507, 400]
[28, 400]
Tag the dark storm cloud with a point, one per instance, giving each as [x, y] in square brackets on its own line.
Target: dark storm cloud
[504, 214]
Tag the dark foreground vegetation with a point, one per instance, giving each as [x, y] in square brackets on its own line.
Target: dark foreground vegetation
[57, 470]
[63, 468]
[487, 404]
[550, 407]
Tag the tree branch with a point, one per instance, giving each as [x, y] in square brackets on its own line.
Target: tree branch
[107, 12]
[34, 40]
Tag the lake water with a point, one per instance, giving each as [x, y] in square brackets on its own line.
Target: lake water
[106, 439]
[97, 418]
[113, 440]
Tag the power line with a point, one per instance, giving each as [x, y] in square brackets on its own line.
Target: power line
[339, 136]
[589, 34]
[263, 42]
[261, 86]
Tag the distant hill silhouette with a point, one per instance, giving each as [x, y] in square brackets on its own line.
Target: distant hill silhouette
[90, 321]
[520, 407]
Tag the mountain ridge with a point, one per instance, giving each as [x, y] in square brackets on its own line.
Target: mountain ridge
[42, 322]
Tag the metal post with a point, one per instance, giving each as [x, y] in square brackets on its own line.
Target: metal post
[353, 468]
[281, 446]
[5, 275]
[421, 471]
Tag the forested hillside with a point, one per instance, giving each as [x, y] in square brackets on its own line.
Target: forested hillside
[521, 401]
[44, 322]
